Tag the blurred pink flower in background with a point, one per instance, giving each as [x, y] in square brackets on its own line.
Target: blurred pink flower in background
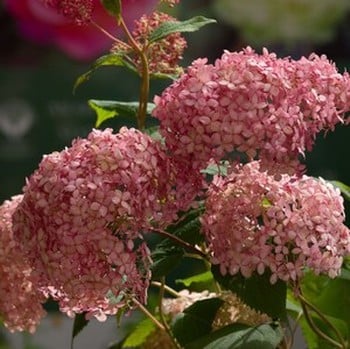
[44, 25]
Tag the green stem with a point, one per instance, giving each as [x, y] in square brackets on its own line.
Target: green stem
[144, 93]
[305, 304]
[161, 314]
[145, 76]
[180, 242]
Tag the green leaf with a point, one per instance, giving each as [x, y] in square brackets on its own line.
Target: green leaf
[172, 77]
[116, 345]
[346, 263]
[113, 299]
[112, 6]
[190, 25]
[165, 260]
[345, 274]
[217, 169]
[239, 336]
[310, 337]
[80, 322]
[334, 300]
[196, 320]
[111, 59]
[167, 254]
[199, 278]
[345, 189]
[266, 203]
[313, 285]
[108, 109]
[102, 114]
[292, 305]
[139, 335]
[188, 227]
[257, 292]
[331, 296]
[154, 133]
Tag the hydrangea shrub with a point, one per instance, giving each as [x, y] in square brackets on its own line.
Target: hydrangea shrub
[103, 223]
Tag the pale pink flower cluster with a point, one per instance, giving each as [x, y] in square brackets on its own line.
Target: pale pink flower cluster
[82, 213]
[254, 222]
[80, 11]
[175, 306]
[163, 55]
[20, 299]
[258, 105]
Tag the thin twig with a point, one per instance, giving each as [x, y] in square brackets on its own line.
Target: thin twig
[148, 314]
[170, 290]
[305, 304]
[181, 242]
[107, 33]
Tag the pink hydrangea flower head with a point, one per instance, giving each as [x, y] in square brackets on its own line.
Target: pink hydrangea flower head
[20, 299]
[231, 220]
[163, 55]
[254, 222]
[82, 214]
[262, 106]
[310, 224]
[180, 97]
[44, 25]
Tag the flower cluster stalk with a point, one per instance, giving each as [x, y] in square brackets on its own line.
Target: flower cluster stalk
[144, 89]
